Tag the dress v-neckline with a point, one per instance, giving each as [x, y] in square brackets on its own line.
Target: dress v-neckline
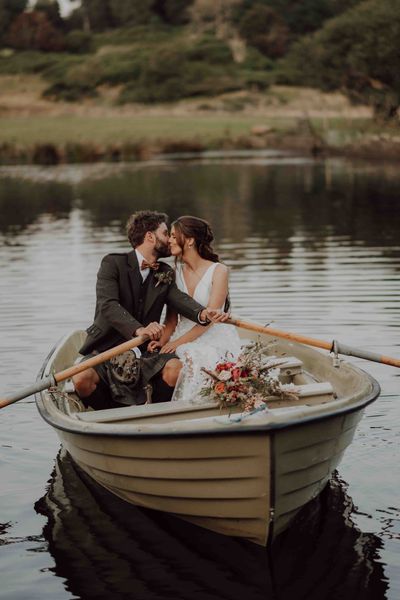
[198, 283]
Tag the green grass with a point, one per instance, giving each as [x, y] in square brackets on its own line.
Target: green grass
[109, 130]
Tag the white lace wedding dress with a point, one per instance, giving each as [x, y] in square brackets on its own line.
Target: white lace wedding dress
[218, 342]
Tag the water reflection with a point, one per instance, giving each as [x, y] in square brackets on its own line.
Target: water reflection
[105, 549]
[23, 202]
[275, 199]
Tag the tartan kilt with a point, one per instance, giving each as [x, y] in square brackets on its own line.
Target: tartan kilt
[126, 393]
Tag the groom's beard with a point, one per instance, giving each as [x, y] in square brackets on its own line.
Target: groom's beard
[162, 249]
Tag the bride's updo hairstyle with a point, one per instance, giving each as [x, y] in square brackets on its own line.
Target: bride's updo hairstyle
[200, 231]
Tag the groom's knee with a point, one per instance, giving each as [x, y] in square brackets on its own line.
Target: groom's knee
[86, 382]
[171, 370]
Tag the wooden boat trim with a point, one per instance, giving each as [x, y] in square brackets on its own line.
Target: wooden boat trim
[300, 416]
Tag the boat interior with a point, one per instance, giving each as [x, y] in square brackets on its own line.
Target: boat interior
[310, 388]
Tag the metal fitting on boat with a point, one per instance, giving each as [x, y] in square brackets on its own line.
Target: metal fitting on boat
[335, 353]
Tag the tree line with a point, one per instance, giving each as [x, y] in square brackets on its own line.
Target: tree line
[348, 45]
[269, 25]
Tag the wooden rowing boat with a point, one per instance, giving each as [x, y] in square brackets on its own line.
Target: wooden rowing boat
[244, 475]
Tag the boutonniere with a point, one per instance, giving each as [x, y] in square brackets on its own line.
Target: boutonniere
[167, 277]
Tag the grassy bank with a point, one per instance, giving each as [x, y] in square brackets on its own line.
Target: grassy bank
[35, 130]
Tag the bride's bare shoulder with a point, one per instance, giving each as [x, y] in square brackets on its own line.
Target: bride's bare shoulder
[221, 268]
[221, 273]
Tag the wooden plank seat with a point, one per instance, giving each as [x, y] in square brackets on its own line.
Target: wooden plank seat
[308, 394]
[162, 411]
[289, 366]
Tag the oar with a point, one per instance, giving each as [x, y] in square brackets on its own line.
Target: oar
[56, 378]
[334, 346]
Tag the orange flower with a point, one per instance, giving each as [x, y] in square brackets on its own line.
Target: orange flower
[220, 387]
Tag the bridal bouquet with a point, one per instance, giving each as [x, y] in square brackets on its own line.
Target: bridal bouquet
[248, 382]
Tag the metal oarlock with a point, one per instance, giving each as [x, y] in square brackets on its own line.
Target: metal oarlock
[335, 353]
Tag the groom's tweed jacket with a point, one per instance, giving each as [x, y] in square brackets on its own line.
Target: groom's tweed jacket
[124, 303]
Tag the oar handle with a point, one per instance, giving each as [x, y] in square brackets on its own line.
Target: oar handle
[100, 358]
[330, 346]
[281, 334]
[44, 384]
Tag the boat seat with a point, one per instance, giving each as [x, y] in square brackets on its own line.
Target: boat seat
[308, 395]
[289, 366]
[144, 411]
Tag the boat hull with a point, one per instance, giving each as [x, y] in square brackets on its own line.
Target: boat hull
[239, 475]
[221, 483]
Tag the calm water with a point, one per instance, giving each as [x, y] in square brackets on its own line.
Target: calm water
[313, 247]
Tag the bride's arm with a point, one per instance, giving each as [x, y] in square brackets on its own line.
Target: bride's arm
[219, 292]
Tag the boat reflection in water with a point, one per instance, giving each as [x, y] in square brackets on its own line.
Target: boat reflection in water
[105, 548]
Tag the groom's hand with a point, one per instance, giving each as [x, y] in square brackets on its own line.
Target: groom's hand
[153, 330]
[214, 315]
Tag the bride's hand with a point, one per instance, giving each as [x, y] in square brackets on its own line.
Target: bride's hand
[215, 315]
[153, 346]
[169, 347]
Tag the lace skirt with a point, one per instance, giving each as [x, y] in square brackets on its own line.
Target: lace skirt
[219, 342]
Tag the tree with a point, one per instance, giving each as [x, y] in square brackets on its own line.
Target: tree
[302, 16]
[9, 9]
[33, 31]
[106, 14]
[215, 14]
[51, 9]
[97, 15]
[264, 29]
[174, 12]
[357, 52]
[134, 12]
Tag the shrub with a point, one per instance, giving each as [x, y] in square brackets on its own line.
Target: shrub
[265, 29]
[58, 69]
[255, 80]
[174, 12]
[161, 77]
[78, 42]
[116, 68]
[69, 93]
[256, 61]
[210, 50]
[27, 62]
[357, 52]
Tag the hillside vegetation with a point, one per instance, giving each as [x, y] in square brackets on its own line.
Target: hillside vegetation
[226, 73]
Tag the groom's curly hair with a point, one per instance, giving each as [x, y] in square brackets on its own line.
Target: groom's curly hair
[141, 222]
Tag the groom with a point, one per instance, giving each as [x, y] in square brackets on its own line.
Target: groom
[132, 289]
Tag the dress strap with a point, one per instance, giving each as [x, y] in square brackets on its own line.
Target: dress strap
[210, 271]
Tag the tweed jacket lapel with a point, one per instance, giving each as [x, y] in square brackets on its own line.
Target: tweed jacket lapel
[152, 292]
[135, 278]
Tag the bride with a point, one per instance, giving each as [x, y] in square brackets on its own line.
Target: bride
[200, 274]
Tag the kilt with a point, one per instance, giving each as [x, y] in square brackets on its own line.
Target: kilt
[126, 393]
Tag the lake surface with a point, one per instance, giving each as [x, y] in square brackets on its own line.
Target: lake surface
[314, 247]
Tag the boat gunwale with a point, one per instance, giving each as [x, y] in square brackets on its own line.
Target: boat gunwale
[113, 430]
[103, 429]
